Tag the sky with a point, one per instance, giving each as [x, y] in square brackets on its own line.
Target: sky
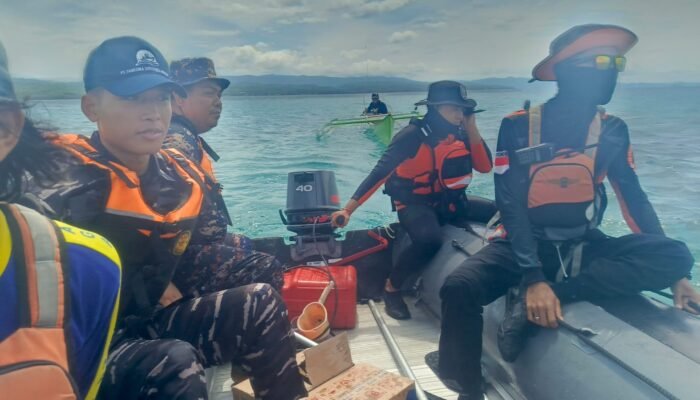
[424, 40]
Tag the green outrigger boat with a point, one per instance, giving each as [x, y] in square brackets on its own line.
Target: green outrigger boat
[382, 125]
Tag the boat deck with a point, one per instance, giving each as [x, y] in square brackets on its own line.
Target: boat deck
[416, 337]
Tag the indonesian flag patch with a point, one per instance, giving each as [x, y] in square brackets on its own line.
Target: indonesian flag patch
[501, 163]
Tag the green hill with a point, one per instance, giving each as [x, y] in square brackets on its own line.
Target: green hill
[263, 85]
[41, 90]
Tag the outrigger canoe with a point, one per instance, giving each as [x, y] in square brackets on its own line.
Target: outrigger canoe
[382, 125]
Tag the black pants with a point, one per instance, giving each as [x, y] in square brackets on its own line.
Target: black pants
[422, 224]
[610, 267]
[246, 325]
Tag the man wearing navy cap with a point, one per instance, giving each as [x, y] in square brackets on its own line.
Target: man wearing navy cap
[215, 259]
[147, 201]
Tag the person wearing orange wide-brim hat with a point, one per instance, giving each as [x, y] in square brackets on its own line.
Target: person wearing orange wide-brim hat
[549, 169]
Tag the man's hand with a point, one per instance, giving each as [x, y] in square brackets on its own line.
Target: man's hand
[340, 218]
[171, 295]
[543, 306]
[684, 295]
[469, 124]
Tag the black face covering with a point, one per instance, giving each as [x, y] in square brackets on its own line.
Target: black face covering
[586, 85]
[438, 123]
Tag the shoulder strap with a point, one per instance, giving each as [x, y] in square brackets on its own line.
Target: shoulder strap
[535, 126]
[90, 153]
[205, 146]
[38, 246]
[593, 137]
[594, 130]
[189, 167]
[203, 179]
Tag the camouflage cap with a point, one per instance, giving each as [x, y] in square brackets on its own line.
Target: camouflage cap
[189, 71]
[7, 89]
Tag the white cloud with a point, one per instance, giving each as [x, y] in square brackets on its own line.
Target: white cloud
[477, 38]
[252, 59]
[363, 8]
[256, 60]
[289, 12]
[398, 37]
[216, 33]
[352, 54]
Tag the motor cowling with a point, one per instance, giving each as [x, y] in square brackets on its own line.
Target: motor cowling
[312, 196]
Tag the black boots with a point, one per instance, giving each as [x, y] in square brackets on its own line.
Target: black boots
[394, 305]
[515, 327]
[432, 360]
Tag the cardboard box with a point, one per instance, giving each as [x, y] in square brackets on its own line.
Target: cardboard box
[330, 374]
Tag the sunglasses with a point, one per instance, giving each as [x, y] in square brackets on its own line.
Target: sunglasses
[603, 62]
[608, 62]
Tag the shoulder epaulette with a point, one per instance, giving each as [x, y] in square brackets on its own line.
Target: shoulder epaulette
[516, 114]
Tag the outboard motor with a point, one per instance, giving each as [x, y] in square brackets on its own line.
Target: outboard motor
[312, 196]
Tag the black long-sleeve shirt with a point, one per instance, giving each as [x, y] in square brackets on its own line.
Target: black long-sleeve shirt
[566, 127]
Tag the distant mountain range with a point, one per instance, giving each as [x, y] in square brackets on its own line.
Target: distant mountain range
[270, 85]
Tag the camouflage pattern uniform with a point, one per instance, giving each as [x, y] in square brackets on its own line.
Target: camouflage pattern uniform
[247, 325]
[163, 357]
[233, 262]
[215, 259]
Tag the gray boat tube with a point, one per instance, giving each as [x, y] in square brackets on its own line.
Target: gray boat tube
[631, 348]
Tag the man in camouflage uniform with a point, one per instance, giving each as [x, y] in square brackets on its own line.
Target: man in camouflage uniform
[215, 259]
[165, 338]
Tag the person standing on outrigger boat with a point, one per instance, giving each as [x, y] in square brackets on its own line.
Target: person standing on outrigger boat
[214, 258]
[59, 285]
[426, 169]
[376, 107]
[147, 201]
[549, 171]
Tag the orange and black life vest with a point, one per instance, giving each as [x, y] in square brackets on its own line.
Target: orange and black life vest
[149, 242]
[206, 163]
[439, 169]
[564, 194]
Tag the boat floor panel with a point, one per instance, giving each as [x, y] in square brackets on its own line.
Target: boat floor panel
[416, 337]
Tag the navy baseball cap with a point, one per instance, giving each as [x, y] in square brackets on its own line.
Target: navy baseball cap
[126, 66]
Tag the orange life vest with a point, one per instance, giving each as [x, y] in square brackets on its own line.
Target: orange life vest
[435, 170]
[564, 193]
[206, 163]
[150, 243]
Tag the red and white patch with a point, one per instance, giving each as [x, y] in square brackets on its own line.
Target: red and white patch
[501, 163]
